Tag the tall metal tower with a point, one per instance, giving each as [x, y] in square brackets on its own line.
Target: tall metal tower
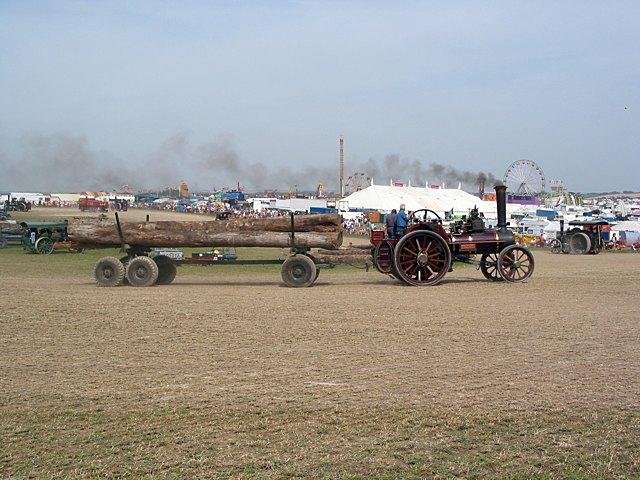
[341, 166]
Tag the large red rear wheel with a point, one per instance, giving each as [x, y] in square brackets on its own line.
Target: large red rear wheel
[422, 258]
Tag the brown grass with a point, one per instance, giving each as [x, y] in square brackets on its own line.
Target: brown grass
[227, 373]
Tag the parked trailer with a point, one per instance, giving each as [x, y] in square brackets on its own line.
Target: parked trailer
[10, 232]
[143, 266]
[9, 239]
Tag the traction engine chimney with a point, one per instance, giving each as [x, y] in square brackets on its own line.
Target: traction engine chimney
[501, 205]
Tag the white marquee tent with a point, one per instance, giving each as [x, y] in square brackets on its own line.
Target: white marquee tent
[385, 197]
[627, 231]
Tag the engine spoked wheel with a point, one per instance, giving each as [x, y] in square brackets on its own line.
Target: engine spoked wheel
[489, 267]
[383, 257]
[515, 263]
[555, 246]
[44, 246]
[421, 258]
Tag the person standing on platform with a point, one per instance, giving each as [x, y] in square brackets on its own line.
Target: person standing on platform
[402, 220]
[390, 223]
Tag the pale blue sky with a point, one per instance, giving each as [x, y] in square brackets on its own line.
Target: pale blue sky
[471, 84]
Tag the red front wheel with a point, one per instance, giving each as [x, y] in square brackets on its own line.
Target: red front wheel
[515, 263]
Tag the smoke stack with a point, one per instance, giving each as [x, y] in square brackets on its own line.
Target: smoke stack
[481, 190]
[341, 166]
[501, 205]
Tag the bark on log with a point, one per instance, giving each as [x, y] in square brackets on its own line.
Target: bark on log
[358, 247]
[11, 228]
[346, 259]
[345, 251]
[302, 223]
[102, 232]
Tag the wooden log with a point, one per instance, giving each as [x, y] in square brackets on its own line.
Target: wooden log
[102, 232]
[343, 259]
[344, 251]
[302, 223]
[367, 246]
[12, 228]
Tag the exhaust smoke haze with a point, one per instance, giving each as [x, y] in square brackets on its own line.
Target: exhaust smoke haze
[65, 162]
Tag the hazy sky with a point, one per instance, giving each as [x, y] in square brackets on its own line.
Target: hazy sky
[475, 85]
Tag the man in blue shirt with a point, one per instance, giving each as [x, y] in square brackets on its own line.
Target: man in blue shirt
[402, 220]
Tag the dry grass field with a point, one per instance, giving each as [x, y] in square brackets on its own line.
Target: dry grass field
[227, 373]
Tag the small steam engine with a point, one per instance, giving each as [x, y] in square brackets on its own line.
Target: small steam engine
[426, 252]
[585, 237]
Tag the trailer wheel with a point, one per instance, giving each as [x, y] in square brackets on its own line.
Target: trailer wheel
[125, 262]
[44, 246]
[299, 271]
[3, 242]
[142, 272]
[579, 243]
[166, 270]
[109, 272]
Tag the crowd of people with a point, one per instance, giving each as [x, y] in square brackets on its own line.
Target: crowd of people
[358, 226]
[352, 226]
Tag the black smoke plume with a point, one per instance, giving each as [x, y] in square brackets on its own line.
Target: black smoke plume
[66, 163]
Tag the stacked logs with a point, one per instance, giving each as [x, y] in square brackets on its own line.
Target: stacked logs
[351, 255]
[312, 231]
[11, 227]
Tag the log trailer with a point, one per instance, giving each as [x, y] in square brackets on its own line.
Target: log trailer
[424, 255]
[142, 266]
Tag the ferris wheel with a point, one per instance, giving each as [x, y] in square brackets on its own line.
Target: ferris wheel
[524, 177]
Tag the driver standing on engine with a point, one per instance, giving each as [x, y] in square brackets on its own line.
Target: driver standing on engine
[390, 223]
[402, 220]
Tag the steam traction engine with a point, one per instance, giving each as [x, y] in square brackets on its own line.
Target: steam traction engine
[585, 237]
[424, 255]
